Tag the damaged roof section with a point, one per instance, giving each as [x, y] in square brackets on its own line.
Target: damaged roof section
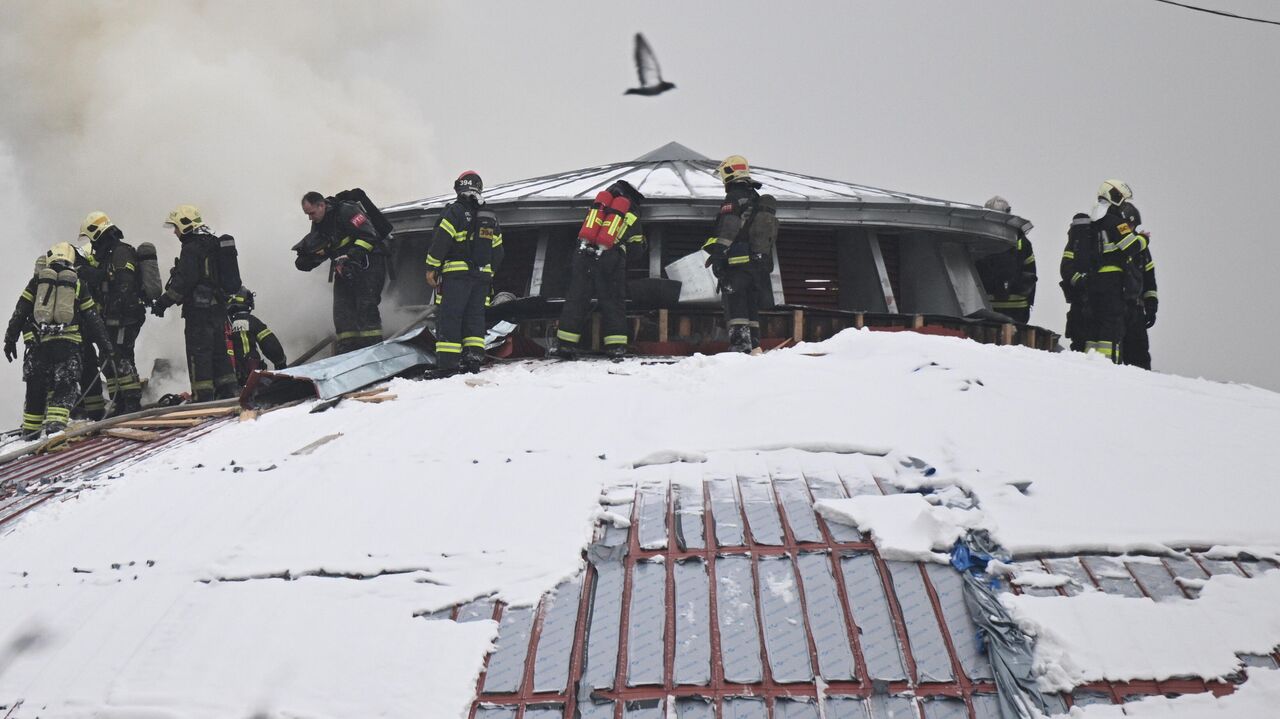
[731, 597]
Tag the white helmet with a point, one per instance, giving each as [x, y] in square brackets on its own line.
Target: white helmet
[998, 203]
[1116, 192]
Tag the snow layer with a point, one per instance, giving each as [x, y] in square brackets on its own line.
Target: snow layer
[1257, 698]
[903, 526]
[469, 489]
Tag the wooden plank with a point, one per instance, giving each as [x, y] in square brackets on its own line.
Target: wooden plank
[248, 415]
[375, 399]
[367, 392]
[685, 327]
[917, 321]
[204, 412]
[1006, 334]
[859, 320]
[162, 422]
[138, 435]
[664, 319]
[1029, 336]
[316, 444]
[797, 325]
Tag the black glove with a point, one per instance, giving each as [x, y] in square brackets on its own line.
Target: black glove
[10, 348]
[105, 351]
[281, 365]
[161, 305]
[1149, 307]
[347, 266]
[716, 259]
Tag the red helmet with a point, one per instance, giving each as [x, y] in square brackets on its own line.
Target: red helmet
[468, 182]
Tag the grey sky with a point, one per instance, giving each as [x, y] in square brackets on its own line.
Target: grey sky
[1038, 101]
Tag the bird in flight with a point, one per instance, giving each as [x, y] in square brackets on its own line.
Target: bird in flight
[651, 82]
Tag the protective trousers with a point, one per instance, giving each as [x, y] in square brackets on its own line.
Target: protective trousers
[1021, 315]
[356, 318]
[460, 320]
[740, 288]
[123, 383]
[1107, 320]
[1077, 329]
[91, 406]
[603, 276]
[208, 363]
[52, 371]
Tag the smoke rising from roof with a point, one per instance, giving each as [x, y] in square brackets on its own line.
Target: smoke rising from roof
[235, 107]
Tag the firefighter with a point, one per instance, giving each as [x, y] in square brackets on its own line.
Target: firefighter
[741, 271]
[50, 315]
[1073, 290]
[251, 338]
[465, 250]
[194, 284]
[91, 406]
[1009, 277]
[1136, 350]
[116, 290]
[611, 233]
[343, 233]
[1104, 266]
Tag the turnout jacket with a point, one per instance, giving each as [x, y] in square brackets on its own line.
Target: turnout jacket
[255, 342]
[345, 230]
[193, 280]
[22, 320]
[112, 275]
[466, 237]
[735, 213]
[1105, 252]
[1009, 277]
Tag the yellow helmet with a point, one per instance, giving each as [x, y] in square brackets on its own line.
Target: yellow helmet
[62, 252]
[733, 168]
[185, 218]
[95, 224]
[1116, 192]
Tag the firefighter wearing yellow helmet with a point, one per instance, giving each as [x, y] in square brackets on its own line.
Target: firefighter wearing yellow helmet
[51, 314]
[740, 253]
[112, 269]
[205, 267]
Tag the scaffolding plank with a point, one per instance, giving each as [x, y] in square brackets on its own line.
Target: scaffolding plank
[933, 662]
[506, 665]
[826, 618]
[847, 708]
[736, 612]
[944, 708]
[794, 496]
[652, 516]
[724, 510]
[784, 635]
[870, 608]
[690, 524]
[693, 624]
[949, 587]
[1155, 580]
[555, 642]
[606, 624]
[761, 511]
[1112, 576]
[646, 629]
[745, 708]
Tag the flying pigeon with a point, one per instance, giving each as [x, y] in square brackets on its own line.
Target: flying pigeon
[651, 82]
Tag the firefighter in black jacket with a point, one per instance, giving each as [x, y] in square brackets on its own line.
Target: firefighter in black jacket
[1105, 259]
[249, 335]
[343, 233]
[1009, 277]
[50, 315]
[116, 290]
[1073, 289]
[741, 273]
[465, 249]
[611, 233]
[1136, 350]
[193, 283]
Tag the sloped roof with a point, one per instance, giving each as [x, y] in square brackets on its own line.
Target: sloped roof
[674, 171]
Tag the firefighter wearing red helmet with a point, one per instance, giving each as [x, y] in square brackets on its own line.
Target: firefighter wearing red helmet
[465, 251]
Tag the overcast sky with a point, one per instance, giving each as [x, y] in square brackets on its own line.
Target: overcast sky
[135, 107]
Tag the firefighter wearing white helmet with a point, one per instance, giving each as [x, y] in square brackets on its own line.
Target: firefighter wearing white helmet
[197, 283]
[51, 315]
[1009, 277]
[1105, 269]
[112, 269]
[740, 253]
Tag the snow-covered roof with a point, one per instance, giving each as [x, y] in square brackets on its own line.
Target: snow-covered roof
[676, 175]
[284, 566]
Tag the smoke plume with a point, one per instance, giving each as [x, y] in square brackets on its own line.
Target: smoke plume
[238, 108]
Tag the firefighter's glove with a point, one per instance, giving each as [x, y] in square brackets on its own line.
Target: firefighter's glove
[345, 267]
[240, 325]
[716, 259]
[10, 349]
[1149, 307]
[161, 305]
[281, 365]
[106, 351]
[433, 278]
